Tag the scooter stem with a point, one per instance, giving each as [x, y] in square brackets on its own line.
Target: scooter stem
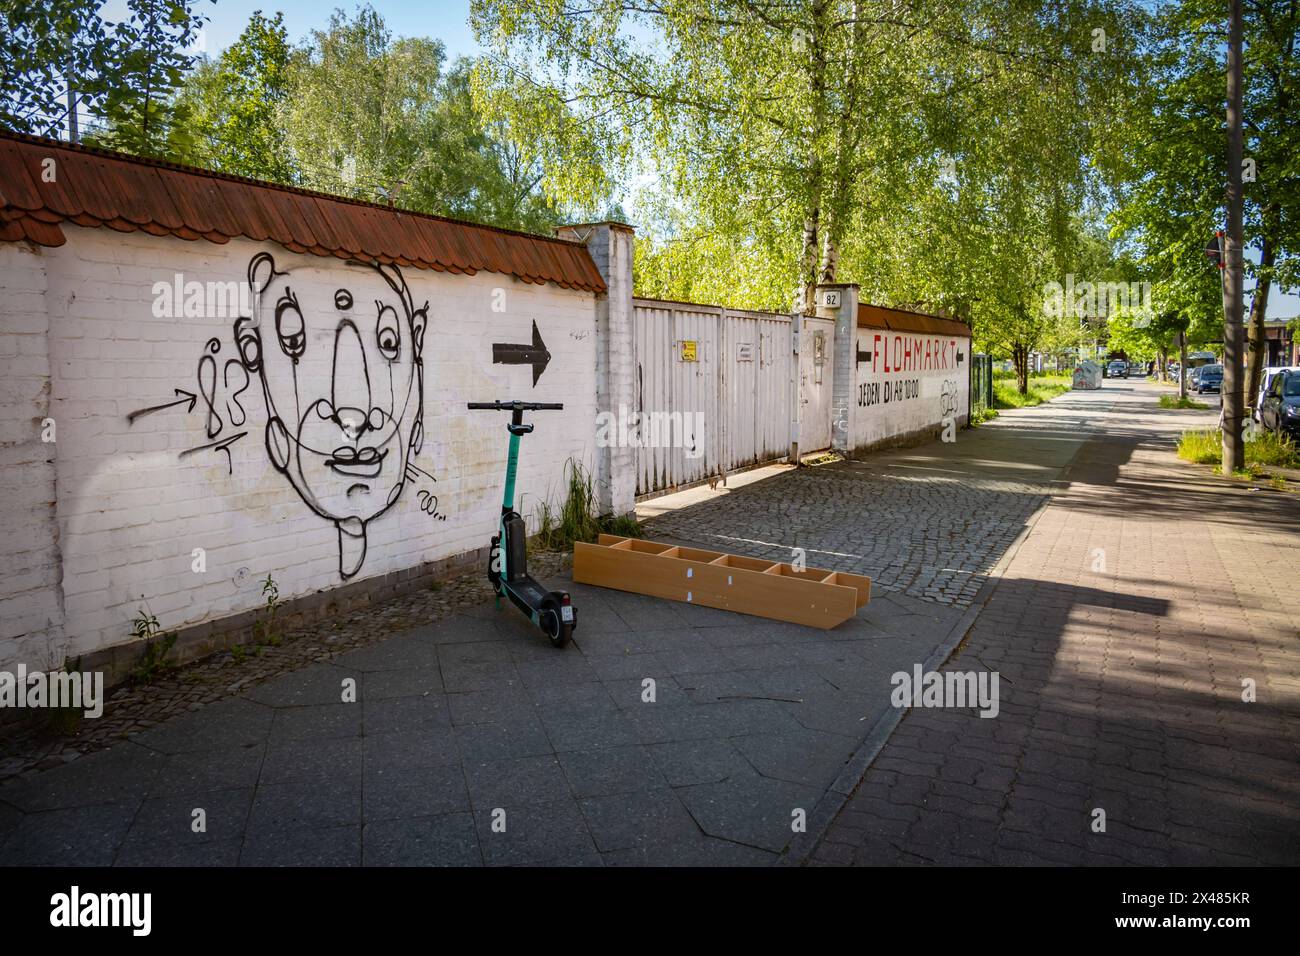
[512, 462]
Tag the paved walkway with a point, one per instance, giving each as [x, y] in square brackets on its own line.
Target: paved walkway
[1121, 683]
[474, 721]
[929, 522]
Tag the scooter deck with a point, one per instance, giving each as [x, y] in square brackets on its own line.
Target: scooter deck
[528, 590]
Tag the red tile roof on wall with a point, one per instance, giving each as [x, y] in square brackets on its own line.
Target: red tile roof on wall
[900, 320]
[94, 187]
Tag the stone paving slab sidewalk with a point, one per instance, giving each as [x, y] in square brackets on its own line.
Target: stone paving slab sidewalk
[475, 714]
[33, 747]
[1121, 683]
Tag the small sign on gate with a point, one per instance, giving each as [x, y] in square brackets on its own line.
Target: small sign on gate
[745, 352]
[687, 350]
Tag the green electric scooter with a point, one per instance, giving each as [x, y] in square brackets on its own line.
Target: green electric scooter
[551, 611]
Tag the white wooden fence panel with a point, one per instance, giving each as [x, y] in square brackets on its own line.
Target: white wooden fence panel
[732, 402]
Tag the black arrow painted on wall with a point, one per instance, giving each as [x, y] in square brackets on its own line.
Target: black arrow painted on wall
[504, 353]
[863, 357]
[184, 397]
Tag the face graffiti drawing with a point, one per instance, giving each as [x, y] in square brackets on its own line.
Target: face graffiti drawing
[343, 379]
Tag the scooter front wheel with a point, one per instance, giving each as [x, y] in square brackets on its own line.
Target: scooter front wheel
[553, 627]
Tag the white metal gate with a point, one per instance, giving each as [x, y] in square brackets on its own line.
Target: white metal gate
[712, 391]
[816, 368]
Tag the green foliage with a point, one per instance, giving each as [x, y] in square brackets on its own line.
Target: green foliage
[351, 111]
[577, 518]
[123, 72]
[153, 660]
[1173, 401]
[1247, 473]
[138, 109]
[1009, 374]
[1041, 389]
[265, 629]
[234, 104]
[935, 153]
[380, 118]
[1165, 158]
[1202, 446]
[41, 44]
[1205, 446]
[1270, 448]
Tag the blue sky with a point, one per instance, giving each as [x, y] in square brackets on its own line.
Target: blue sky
[445, 20]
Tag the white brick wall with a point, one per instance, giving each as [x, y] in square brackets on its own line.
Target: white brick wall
[131, 509]
[907, 385]
[31, 615]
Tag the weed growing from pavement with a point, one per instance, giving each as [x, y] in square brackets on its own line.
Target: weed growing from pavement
[1249, 473]
[1205, 447]
[153, 661]
[1270, 448]
[1169, 401]
[265, 631]
[577, 519]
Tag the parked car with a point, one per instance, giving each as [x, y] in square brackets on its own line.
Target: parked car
[1280, 409]
[1137, 369]
[1265, 380]
[1210, 379]
[1193, 374]
[1117, 369]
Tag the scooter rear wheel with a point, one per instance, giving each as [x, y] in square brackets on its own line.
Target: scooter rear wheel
[553, 627]
[494, 576]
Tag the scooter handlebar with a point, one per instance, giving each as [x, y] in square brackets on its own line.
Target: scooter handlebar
[517, 406]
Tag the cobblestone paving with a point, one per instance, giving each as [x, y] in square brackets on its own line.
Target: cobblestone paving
[1121, 682]
[931, 523]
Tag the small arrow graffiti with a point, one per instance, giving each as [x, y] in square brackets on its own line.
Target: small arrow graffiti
[184, 397]
[863, 357]
[504, 353]
[223, 445]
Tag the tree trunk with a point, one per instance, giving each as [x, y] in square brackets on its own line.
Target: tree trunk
[1257, 333]
[830, 256]
[1020, 356]
[1234, 451]
[814, 225]
[808, 262]
[1182, 365]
